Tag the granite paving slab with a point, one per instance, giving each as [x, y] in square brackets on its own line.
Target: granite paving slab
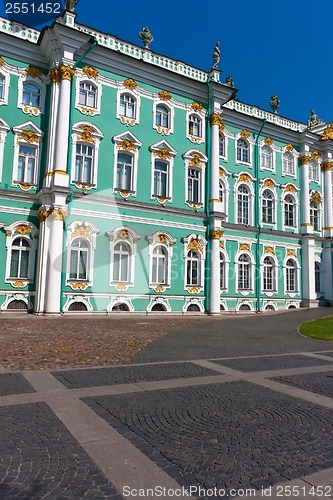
[41, 459]
[253, 364]
[14, 383]
[74, 379]
[226, 435]
[319, 383]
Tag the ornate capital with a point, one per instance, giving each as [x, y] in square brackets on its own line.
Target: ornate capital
[328, 133]
[216, 234]
[130, 84]
[43, 214]
[90, 72]
[315, 155]
[66, 72]
[326, 165]
[164, 95]
[305, 159]
[216, 119]
[59, 214]
[54, 75]
[2, 62]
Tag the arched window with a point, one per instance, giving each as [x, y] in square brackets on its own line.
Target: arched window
[2, 87]
[77, 306]
[288, 163]
[193, 271]
[88, 95]
[84, 161]
[313, 170]
[27, 164]
[161, 179]
[291, 276]
[193, 308]
[243, 205]
[31, 95]
[314, 215]
[269, 274]
[221, 145]
[267, 206]
[222, 272]
[158, 308]
[221, 191]
[244, 272]
[243, 153]
[121, 262]
[289, 211]
[19, 262]
[160, 266]
[127, 106]
[195, 126]
[120, 306]
[267, 157]
[317, 277]
[79, 254]
[124, 180]
[244, 307]
[194, 187]
[162, 116]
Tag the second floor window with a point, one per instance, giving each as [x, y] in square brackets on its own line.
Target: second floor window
[87, 95]
[314, 216]
[221, 145]
[26, 166]
[289, 211]
[195, 126]
[19, 263]
[127, 106]
[267, 207]
[243, 205]
[194, 185]
[2, 87]
[288, 163]
[243, 153]
[267, 158]
[161, 171]
[313, 171]
[84, 159]
[124, 178]
[244, 272]
[162, 118]
[31, 95]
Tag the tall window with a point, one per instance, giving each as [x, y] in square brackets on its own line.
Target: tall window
[162, 116]
[221, 145]
[221, 191]
[194, 185]
[121, 262]
[243, 205]
[267, 157]
[288, 163]
[84, 160]
[79, 253]
[222, 272]
[244, 272]
[268, 277]
[161, 172]
[291, 276]
[243, 153]
[27, 162]
[193, 271]
[31, 95]
[127, 106]
[19, 263]
[317, 277]
[314, 215]
[289, 211]
[88, 95]
[313, 170]
[2, 87]
[267, 206]
[160, 266]
[124, 172]
[195, 126]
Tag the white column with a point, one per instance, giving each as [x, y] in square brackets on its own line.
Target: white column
[216, 209]
[42, 260]
[326, 168]
[306, 226]
[308, 273]
[55, 257]
[61, 138]
[326, 270]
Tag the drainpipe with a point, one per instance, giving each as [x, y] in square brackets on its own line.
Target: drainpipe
[207, 198]
[257, 217]
[93, 42]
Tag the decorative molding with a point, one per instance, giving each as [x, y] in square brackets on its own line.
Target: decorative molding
[316, 198]
[54, 172]
[222, 245]
[244, 178]
[164, 95]
[86, 135]
[196, 160]
[326, 165]
[123, 234]
[328, 133]
[2, 62]
[216, 119]
[130, 84]
[54, 75]
[268, 183]
[304, 160]
[19, 284]
[121, 287]
[269, 250]
[290, 188]
[127, 145]
[28, 136]
[42, 214]
[78, 286]
[221, 172]
[81, 232]
[33, 72]
[66, 72]
[244, 246]
[193, 290]
[289, 147]
[23, 230]
[291, 253]
[90, 72]
[163, 153]
[194, 244]
[59, 214]
[244, 133]
[268, 141]
[216, 234]
[161, 238]
[315, 155]
[160, 288]
[196, 107]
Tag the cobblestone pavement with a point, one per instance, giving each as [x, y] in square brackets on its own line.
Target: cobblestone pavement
[226, 422]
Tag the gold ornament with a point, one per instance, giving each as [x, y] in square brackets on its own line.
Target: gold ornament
[328, 133]
[269, 250]
[159, 288]
[59, 214]
[326, 165]
[268, 141]
[291, 253]
[90, 72]
[66, 72]
[244, 178]
[196, 107]
[18, 284]
[123, 234]
[194, 244]
[130, 84]
[164, 95]
[289, 147]
[43, 214]
[315, 155]
[193, 290]
[244, 246]
[216, 234]
[8, 233]
[244, 133]
[161, 238]
[268, 183]
[290, 188]
[81, 232]
[86, 135]
[2, 62]
[216, 119]
[316, 198]
[222, 245]
[23, 229]
[124, 193]
[163, 153]
[221, 172]
[78, 286]
[121, 288]
[127, 145]
[305, 159]
[54, 75]
[28, 136]
[33, 72]
[196, 160]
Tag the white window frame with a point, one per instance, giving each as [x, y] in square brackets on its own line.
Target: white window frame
[295, 204]
[133, 150]
[40, 83]
[162, 151]
[96, 137]
[314, 164]
[199, 165]
[83, 108]
[200, 247]
[125, 119]
[245, 291]
[4, 128]
[319, 215]
[291, 293]
[87, 232]
[86, 249]
[21, 141]
[319, 262]
[251, 204]
[250, 142]
[226, 260]
[159, 128]
[12, 233]
[165, 240]
[272, 257]
[274, 201]
[123, 234]
[200, 116]
[265, 148]
[6, 76]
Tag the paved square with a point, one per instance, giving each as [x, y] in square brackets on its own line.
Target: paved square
[14, 383]
[227, 435]
[255, 364]
[39, 458]
[74, 379]
[320, 383]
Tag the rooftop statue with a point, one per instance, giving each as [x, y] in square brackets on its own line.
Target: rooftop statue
[274, 103]
[216, 56]
[71, 4]
[229, 81]
[313, 120]
[146, 37]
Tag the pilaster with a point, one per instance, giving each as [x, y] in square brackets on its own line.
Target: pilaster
[308, 273]
[304, 160]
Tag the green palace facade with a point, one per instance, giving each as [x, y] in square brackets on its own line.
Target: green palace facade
[133, 182]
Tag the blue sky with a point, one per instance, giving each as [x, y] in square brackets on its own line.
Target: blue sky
[281, 48]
